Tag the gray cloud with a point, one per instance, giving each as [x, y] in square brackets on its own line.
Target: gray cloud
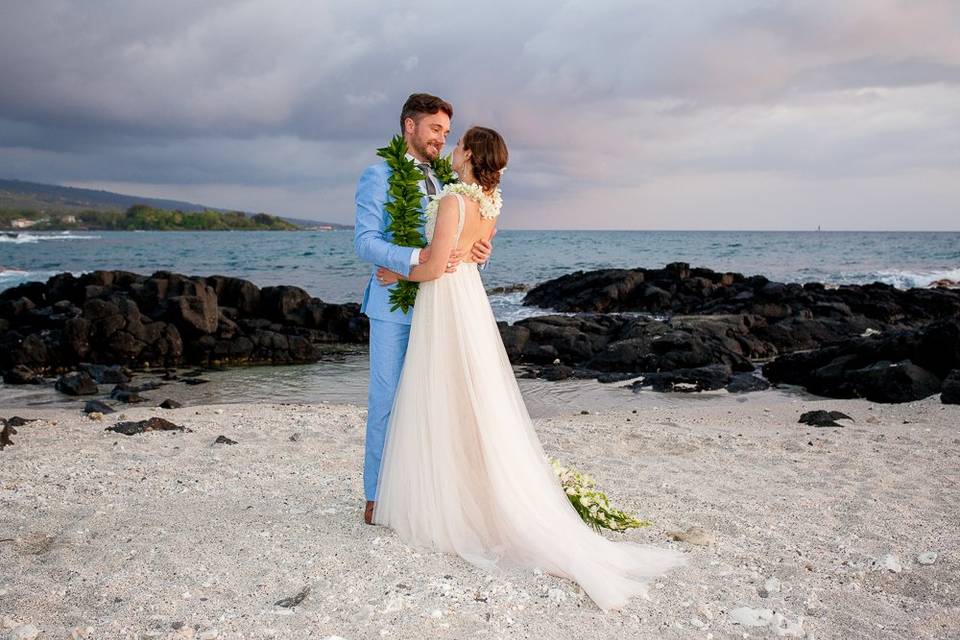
[288, 100]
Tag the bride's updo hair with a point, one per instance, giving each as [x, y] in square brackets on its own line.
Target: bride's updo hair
[489, 155]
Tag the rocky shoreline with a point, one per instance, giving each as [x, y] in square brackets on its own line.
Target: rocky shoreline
[693, 329]
[164, 320]
[673, 329]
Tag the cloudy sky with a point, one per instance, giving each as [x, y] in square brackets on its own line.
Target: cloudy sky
[619, 114]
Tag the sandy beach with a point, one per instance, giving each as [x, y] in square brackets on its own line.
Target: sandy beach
[846, 532]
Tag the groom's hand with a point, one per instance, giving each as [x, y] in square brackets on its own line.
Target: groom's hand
[482, 249]
[452, 263]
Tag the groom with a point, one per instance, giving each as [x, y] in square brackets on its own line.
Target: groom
[425, 124]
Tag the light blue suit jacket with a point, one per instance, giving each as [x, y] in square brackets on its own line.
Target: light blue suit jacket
[372, 243]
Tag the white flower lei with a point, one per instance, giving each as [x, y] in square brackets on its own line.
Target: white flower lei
[489, 205]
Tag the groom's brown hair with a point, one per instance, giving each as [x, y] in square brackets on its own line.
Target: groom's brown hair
[423, 104]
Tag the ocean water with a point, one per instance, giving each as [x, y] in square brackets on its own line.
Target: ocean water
[323, 263]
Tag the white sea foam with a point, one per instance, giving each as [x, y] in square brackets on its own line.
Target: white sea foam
[509, 308]
[30, 238]
[912, 279]
[13, 277]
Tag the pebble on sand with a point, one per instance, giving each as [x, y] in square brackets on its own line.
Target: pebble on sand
[770, 585]
[751, 617]
[693, 535]
[786, 629]
[24, 632]
[293, 601]
[777, 623]
[888, 562]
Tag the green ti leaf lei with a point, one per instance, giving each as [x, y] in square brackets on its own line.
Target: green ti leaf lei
[403, 207]
[592, 505]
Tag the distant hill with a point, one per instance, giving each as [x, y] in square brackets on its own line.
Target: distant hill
[19, 195]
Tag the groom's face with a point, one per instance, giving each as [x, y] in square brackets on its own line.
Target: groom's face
[427, 134]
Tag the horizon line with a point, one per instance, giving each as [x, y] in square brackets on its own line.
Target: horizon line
[723, 230]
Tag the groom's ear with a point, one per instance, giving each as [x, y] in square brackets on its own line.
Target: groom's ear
[409, 125]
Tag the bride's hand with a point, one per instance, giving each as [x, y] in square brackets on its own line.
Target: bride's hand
[454, 261]
[386, 277]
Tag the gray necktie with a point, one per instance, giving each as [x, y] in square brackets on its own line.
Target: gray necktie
[425, 168]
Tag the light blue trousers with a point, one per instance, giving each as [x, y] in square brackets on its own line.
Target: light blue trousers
[388, 346]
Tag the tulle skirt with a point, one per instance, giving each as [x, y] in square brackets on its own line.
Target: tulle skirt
[463, 470]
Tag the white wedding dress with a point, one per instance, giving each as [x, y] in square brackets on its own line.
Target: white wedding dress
[462, 469]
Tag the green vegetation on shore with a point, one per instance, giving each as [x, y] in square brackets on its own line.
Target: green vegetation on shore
[141, 217]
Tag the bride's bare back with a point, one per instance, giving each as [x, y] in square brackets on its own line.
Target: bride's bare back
[475, 227]
[445, 233]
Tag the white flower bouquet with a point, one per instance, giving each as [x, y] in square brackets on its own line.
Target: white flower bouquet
[592, 505]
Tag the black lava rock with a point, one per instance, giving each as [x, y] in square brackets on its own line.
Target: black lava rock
[708, 378]
[898, 366]
[950, 392]
[103, 374]
[106, 320]
[556, 372]
[746, 382]
[77, 384]
[98, 406]
[22, 374]
[153, 424]
[893, 382]
[18, 421]
[6, 431]
[821, 418]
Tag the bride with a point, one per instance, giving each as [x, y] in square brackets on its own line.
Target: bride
[463, 471]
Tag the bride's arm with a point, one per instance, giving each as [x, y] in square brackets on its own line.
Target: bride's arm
[387, 278]
[442, 243]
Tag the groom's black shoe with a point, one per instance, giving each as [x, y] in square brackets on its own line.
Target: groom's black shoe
[368, 512]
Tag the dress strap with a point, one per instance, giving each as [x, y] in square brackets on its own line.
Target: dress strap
[462, 215]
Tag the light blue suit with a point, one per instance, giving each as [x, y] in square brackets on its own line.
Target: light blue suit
[389, 330]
